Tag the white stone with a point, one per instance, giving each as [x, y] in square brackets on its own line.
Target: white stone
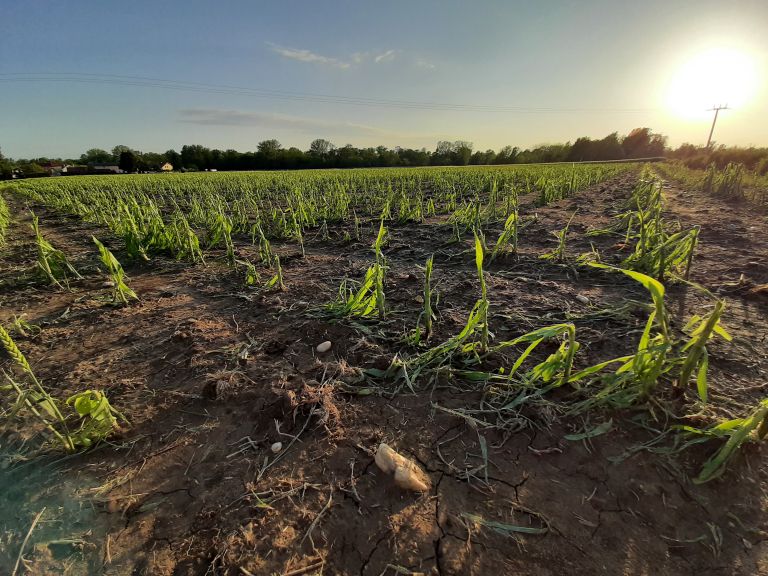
[276, 447]
[323, 347]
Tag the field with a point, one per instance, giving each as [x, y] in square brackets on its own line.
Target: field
[573, 358]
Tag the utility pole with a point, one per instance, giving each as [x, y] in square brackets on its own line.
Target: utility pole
[716, 110]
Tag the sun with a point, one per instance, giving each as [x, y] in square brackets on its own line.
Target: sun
[715, 77]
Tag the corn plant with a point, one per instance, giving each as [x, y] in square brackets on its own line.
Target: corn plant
[35, 398]
[558, 363]
[427, 316]
[121, 292]
[380, 267]
[369, 295]
[508, 238]
[738, 432]
[558, 254]
[277, 280]
[50, 261]
[5, 218]
[483, 302]
[696, 359]
[252, 277]
[94, 419]
[265, 248]
[23, 328]
[97, 418]
[221, 231]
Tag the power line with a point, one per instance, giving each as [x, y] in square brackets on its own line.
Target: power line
[185, 86]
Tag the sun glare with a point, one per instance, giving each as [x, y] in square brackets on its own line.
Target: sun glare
[716, 77]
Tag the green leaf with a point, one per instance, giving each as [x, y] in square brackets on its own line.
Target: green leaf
[701, 377]
[596, 431]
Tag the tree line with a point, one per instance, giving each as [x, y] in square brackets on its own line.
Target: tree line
[272, 155]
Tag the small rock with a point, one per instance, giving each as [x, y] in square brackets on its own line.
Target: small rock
[323, 347]
[419, 299]
[276, 447]
[581, 298]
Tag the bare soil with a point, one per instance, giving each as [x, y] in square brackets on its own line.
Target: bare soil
[210, 374]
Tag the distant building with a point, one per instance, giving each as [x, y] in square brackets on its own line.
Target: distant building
[104, 168]
[53, 168]
[167, 167]
[74, 170]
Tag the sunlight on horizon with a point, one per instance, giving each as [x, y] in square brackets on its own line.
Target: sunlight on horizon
[714, 77]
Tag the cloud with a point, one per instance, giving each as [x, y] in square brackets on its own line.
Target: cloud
[223, 117]
[387, 56]
[421, 63]
[307, 56]
[354, 59]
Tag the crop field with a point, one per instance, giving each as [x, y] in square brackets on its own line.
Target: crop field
[531, 369]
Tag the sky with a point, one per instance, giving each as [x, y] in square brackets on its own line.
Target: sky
[158, 75]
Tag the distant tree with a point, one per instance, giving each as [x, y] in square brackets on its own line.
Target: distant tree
[118, 150]
[197, 156]
[507, 155]
[642, 143]
[6, 167]
[269, 148]
[127, 161]
[321, 147]
[462, 152]
[96, 155]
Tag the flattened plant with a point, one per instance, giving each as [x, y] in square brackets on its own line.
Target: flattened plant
[121, 292]
[94, 419]
[695, 357]
[738, 432]
[51, 262]
[558, 254]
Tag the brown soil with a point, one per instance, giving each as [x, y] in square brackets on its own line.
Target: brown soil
[211, 374]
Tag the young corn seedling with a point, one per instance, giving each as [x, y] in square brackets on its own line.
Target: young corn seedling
[277, 280]
[380, 266]
[638, 374]
[695, 357]
[252, 277]
[738, 431]
[369, 296]
[427, 315]
[35, 398]
[97, 418]
[483, 309]
[558, 254]
[559, 363]
[265, 248]
[221, 231]
[23, 328]
[5, 218]
[437, 358]
[52, 262]
[121, 292]
[507, 239]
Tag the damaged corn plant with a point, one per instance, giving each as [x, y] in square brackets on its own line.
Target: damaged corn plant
[91, 417]
[368, 298]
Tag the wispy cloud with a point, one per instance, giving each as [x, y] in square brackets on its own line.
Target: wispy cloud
[355, 59]
[307, 56]
[224, 117]
[421, 63]
[387, 56]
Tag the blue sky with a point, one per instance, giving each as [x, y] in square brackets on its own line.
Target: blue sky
[594, 67]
